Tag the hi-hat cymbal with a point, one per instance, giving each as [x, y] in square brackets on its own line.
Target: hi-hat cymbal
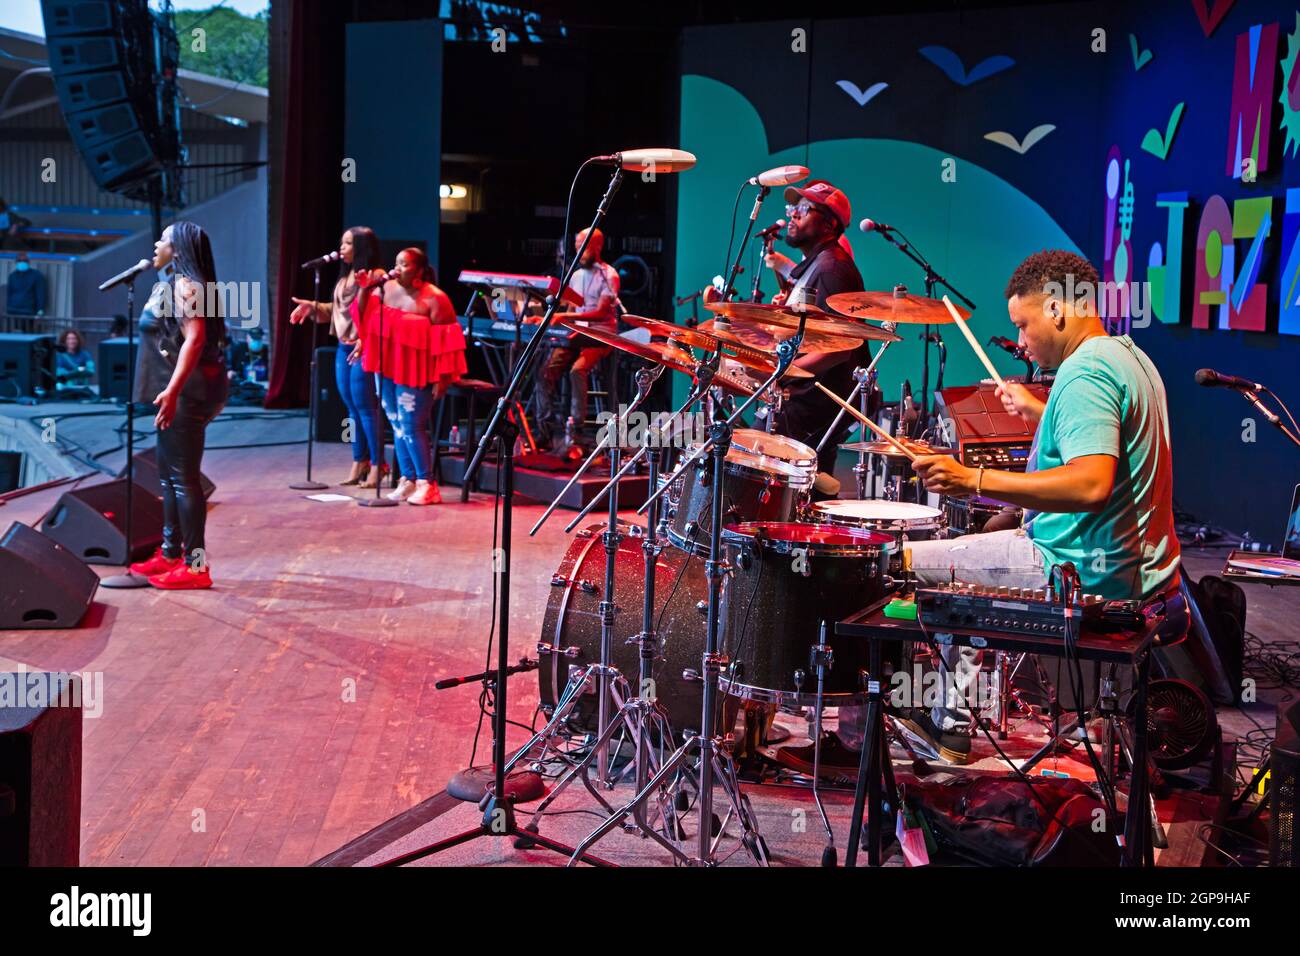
[660, 353]
[765, 338]
[787, 318]
[891, 307]
[885, 448]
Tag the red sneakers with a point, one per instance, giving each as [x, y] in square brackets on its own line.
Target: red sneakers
[158, 564]
[181, 578]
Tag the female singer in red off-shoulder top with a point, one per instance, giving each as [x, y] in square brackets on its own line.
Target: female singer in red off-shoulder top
[420, 348]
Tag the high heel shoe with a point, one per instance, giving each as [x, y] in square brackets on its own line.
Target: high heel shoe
[374, 477]
[360, 469]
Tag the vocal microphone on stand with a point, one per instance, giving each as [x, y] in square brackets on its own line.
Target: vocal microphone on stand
[126, 275]
[1209, 378]
[870, 225]
[321, 260]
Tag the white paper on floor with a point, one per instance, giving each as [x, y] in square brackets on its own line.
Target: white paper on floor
[329, 497]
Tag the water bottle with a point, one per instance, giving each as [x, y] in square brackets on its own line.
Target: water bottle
[570, 431]
[453, 439]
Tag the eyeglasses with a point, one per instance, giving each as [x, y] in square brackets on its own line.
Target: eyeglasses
[801, 210]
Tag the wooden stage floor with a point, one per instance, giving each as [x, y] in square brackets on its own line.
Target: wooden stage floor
[292, 708]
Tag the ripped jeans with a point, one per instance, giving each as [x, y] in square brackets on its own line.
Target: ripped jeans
[997, 557]
[408, 412]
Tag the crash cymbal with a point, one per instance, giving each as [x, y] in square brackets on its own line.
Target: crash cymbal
[710, 341]
[764, 337]
[661, 353]
[891, 307]
[885, 448]
[781, 316]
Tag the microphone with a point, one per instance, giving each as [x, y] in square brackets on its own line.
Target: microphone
[126, 275]
[779, 176]
[773, 229]
[1212, 379]
[1006, 345]
[870, 225]
[652, 159]
[321, 260]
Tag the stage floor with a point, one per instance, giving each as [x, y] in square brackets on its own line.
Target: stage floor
[291, 709]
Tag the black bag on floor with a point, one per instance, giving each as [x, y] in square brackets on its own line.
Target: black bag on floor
[1223, 608]
[995, 820]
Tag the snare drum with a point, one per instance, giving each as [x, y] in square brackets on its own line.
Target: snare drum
[903, 520]
[788, 578]
[768, 445]
[756, 487]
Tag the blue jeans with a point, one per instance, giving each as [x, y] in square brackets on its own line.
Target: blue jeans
[408, 411]
[357, 389]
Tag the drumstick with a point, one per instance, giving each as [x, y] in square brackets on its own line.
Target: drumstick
[974, 343]
[868, 422]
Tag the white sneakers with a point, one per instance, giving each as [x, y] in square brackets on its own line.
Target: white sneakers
[425, 493]
[405, 488]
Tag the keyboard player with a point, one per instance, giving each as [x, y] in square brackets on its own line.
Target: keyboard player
[597, 283]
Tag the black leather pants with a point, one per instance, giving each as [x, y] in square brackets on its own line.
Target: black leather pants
[180, 457]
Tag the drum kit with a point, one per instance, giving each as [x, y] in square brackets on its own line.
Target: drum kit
[741, 576]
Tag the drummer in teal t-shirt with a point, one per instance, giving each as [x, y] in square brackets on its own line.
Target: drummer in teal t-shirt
[1098, 492]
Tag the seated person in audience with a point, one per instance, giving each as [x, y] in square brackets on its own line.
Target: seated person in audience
[75, 368]
[11, 227]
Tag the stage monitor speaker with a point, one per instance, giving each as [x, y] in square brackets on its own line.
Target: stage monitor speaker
[330, 410]
[114, 369]
[1284, 787]
[40, 770]
[91, 523]
[26, 365]
[45, 584]
[101, 58]
[145, 473]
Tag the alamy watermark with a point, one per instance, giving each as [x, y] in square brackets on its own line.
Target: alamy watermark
[24, 688]
[1108, 299]
[239, 303]
[656, 429]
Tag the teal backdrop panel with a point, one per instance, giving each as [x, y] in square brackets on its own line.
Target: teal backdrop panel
[975, 229]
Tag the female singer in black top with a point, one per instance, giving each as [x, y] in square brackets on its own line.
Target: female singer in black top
[182, 370]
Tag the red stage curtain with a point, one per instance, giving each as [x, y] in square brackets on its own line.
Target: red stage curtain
[306, 201]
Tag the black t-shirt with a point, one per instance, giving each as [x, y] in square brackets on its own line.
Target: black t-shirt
[808, 413]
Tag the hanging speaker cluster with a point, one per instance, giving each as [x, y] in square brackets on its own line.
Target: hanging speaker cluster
[111, 87]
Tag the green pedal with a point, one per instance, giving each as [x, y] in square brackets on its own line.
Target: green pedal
[902, 610]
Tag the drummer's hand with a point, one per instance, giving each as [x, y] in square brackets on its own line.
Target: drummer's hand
[945, 475]
[778, 299]
[710, 294]
[1018, 400]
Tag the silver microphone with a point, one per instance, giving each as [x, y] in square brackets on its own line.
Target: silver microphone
[780, 176]
[870, 225]
[656, 159]
[126, 275]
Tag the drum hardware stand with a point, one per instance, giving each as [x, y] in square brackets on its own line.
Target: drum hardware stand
[703, 381]
[1008, 695]
[932, 281]
[713, 759]
[645, 378]
[865, 383]
[307, 484]
[499, 816]
[821, 657]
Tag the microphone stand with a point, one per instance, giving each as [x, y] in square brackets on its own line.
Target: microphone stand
[378, 501]
[129, 579]
[866, 383]
[729, 288]
[1252, 396]
[307, 484]
[932, 280]
[498, 805]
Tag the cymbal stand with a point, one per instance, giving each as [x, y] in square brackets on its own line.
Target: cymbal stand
[865, 379]
[543, 742]
[703, 381]
[712, 760]
[645, 378]
[821, 657]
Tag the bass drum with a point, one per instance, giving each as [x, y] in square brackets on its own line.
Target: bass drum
[571, 626]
